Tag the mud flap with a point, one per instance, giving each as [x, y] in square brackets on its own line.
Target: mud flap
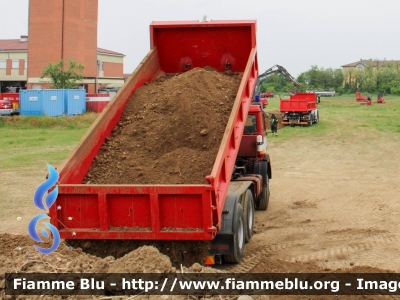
[223, 243]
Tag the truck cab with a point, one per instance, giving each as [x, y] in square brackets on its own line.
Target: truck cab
[254, 140]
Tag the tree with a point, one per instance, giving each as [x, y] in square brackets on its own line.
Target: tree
[62, 77]
[321, 79]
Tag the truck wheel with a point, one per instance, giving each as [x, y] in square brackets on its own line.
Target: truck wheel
[248, 204]
[310, 123]
[317, 118]
[238, 237]
[263, 199]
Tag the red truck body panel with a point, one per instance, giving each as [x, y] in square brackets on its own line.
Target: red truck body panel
[161, 212]
[264, 102]
[300, 102]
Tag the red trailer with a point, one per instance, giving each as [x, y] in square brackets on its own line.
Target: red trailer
[299, 109]
[222, 210]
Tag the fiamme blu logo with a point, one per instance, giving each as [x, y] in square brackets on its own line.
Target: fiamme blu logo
[38, 201]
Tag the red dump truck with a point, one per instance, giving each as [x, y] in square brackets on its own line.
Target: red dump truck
[13, 98]
[221, 210]
[267, 94]
[299, 109]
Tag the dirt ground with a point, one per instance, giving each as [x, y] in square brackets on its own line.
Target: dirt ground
[334, 205]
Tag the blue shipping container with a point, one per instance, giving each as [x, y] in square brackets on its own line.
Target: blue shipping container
[53, 103]
[75, 102]
[42, 103]
[30, 102]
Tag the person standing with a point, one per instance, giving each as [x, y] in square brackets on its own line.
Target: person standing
[274, 124]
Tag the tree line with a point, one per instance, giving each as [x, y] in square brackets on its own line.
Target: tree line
[384, 78]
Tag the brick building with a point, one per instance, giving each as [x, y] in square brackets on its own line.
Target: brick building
[59, 29]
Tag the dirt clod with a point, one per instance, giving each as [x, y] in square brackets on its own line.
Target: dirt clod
[196, 267]
[204, 132]
[87, 245]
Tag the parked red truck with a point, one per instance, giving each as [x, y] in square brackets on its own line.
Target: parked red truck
[299, 109]
[267, 94]
[222, 209]
[13, 98]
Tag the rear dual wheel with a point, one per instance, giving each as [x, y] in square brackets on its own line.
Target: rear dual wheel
[263, 199]
[248, 205]
[238, 236]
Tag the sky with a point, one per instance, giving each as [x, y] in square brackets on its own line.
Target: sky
[291, 33]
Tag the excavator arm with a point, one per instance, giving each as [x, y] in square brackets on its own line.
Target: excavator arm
[275, 70]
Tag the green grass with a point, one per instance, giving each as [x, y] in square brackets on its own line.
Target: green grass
[29, 122]
[35, 141]
[342, 116]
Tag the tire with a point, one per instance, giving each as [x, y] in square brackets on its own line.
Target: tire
[316, 118]
[248, 205]
[263, 199]
[310, 123]
[238, 237]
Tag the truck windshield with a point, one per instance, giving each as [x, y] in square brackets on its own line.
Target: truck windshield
[251, 125]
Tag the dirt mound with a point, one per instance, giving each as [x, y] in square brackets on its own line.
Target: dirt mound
[179, 252]
[170, 131]
[146, 259]
[17, 254]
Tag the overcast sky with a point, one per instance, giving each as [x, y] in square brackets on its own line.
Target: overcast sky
[292, 33]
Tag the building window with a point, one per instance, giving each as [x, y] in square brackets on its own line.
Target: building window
[101, 66]
[26, 64]
[15, 64]
[3, 64]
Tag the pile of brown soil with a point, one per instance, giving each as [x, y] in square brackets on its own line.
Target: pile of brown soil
[170, 131]
[17, 254]
[179, 252]
[146, 259]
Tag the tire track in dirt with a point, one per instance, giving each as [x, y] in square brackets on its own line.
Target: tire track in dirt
[332, 252]
[370, 257]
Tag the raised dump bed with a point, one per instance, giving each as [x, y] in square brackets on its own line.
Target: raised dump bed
[158, 211]
[300, 102]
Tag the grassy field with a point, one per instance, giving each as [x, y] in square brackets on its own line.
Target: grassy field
[343, 116]
[31, 142]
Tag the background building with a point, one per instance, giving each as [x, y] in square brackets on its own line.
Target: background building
[60, 29]
[372, 75]
[360, 65]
